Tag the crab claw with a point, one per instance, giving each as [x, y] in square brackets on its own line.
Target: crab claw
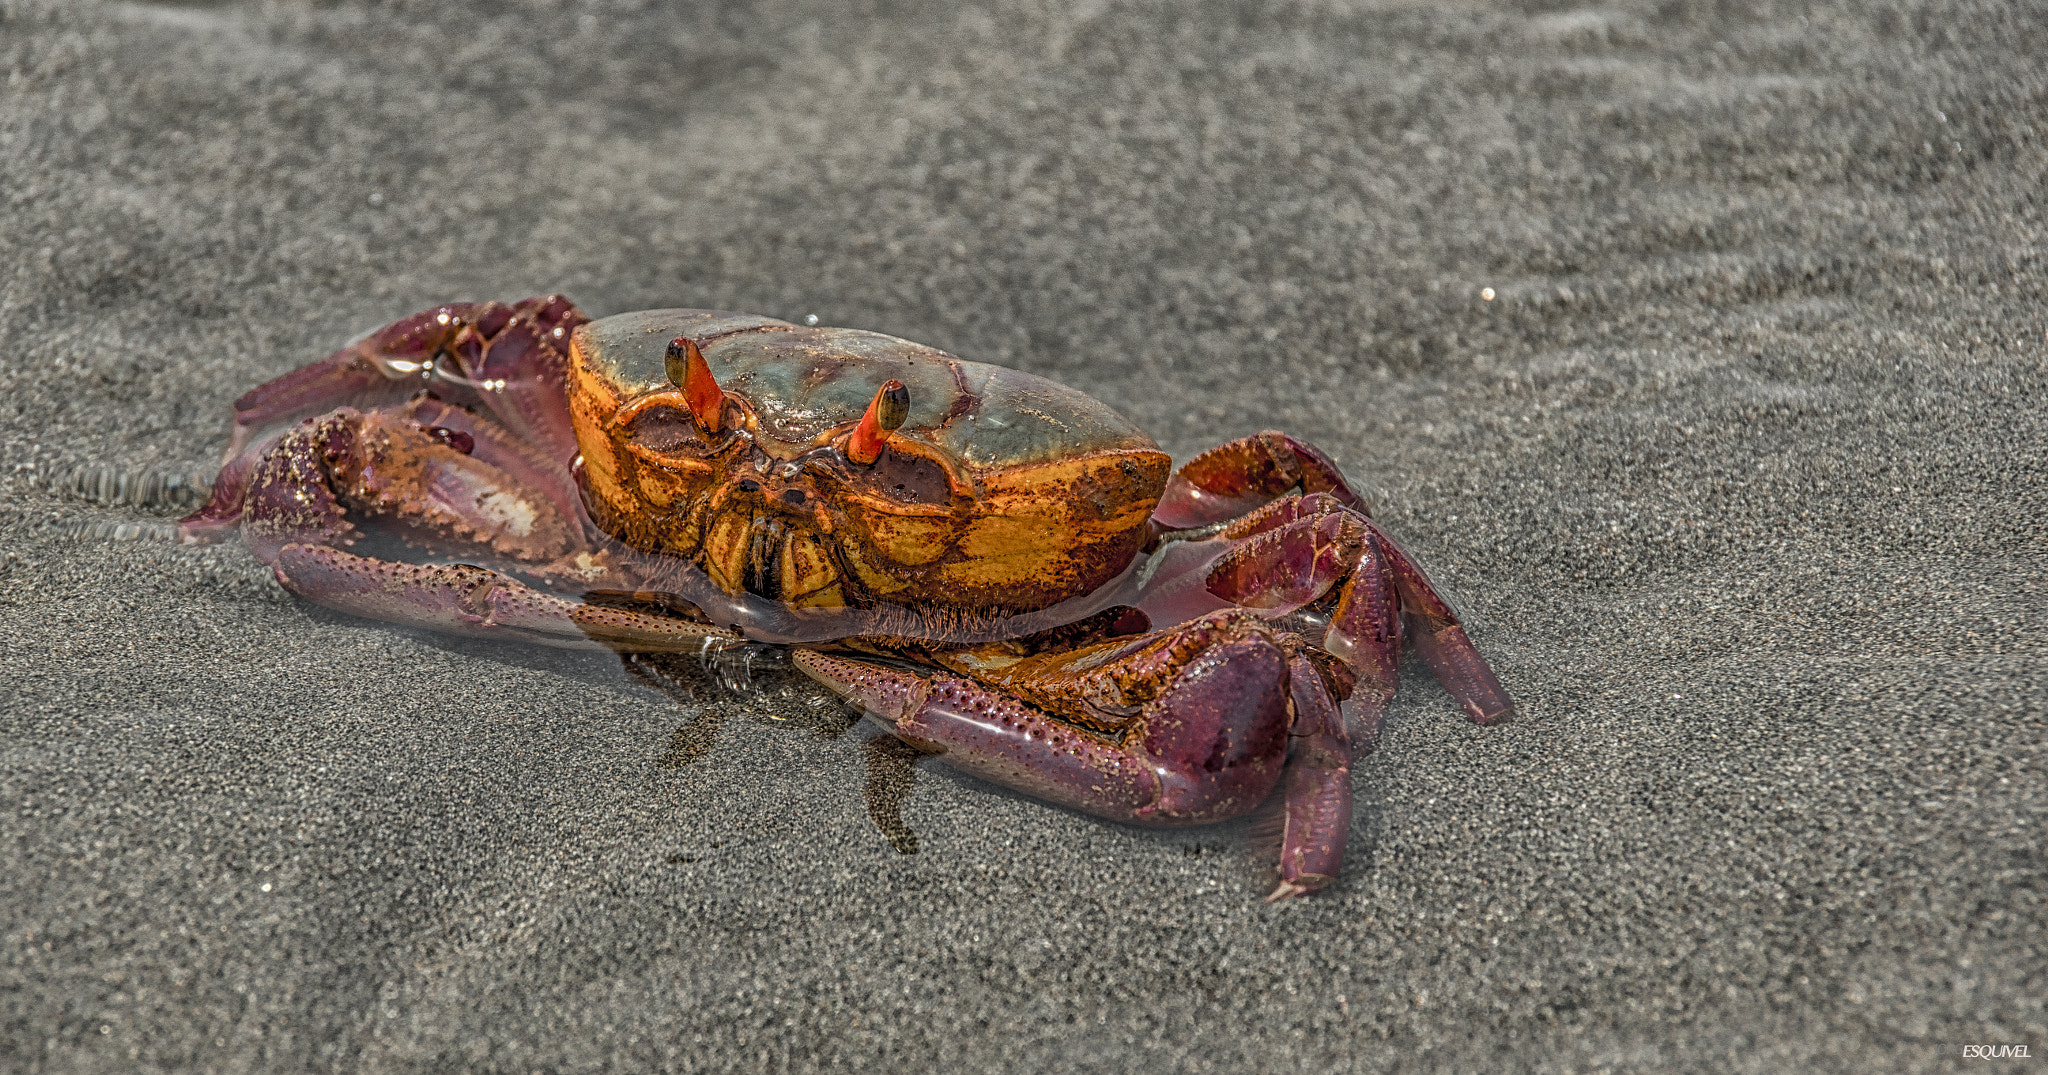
[688, 371]
[885, 414]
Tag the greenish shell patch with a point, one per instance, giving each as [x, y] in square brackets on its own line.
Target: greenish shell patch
[804, 381]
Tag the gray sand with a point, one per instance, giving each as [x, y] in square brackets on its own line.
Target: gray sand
[1739, 475]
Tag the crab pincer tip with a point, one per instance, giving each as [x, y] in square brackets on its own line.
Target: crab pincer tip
[885, 414]
[688, 371]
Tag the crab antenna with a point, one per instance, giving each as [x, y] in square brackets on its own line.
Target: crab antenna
[687, 371]
[890, 407]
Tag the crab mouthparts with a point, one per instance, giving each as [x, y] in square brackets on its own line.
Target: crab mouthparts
[773, 555]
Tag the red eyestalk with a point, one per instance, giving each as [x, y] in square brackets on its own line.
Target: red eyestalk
[890, 407]
[687, 371]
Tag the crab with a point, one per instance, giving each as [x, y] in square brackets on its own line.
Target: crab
[997, 569]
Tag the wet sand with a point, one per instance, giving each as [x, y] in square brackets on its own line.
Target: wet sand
[1738, 473]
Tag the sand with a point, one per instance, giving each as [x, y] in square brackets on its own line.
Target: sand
[1738, 473]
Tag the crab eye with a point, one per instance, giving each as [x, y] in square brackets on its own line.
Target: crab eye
[885, 414]
[688, 371]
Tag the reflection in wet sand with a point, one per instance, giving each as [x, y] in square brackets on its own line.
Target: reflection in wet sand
[714, 676]
[891, 774]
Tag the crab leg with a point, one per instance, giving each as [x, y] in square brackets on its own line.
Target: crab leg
[221, 516]
[1250, 481]
[1189, 725]
[1207, 745]
[492, 445]
[1233, 478]
[1318, 818]
[508, 358]
[383, 367]
[1296, 551]
[521, 371]
[466, 600]
[1291, 554]
[430, 481]
[1434, 630]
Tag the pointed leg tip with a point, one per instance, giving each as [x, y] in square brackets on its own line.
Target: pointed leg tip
[1491, 716]
[885, 693]
[1289, 888]
[193, 530]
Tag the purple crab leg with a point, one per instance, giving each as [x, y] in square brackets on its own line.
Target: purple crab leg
[996, 737]
[1208, 745]
[1221, 702]
[1284, 560]
[1365, 633]
[492, 445]
[1433, 629]
[1318, 802]
[521, 372]
[221, 516]
[466, 600]
[1249, 564]
[322, 477]
[509, 359]
[290, 498]
[384, 367]
[1234, 478]
[1291, 552]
